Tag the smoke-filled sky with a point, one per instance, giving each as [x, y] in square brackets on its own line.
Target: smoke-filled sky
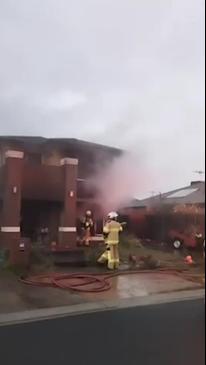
[127, 73]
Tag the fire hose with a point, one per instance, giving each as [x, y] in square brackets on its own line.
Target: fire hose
[95, 283]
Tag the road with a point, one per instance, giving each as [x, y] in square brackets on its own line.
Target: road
[169, 334]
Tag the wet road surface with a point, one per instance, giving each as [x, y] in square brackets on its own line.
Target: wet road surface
[166, 334]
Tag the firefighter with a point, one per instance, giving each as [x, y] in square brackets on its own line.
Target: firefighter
[88, 227]
[111, 232]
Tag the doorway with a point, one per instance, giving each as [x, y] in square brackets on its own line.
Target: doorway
[40, 220]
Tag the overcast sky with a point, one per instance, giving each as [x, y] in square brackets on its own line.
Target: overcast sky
[127, 73]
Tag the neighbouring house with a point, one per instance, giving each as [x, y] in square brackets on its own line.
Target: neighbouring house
[44, 187]
[177, 215]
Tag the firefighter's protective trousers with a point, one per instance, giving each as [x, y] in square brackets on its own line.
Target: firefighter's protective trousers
[111, 254]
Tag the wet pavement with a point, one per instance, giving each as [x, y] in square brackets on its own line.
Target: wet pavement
[142, 284]
[16, 296]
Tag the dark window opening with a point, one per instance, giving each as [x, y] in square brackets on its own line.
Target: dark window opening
[34, 158]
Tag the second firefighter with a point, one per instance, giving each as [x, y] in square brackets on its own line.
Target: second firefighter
[111, 232]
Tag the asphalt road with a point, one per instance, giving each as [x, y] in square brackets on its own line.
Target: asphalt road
[171, 334]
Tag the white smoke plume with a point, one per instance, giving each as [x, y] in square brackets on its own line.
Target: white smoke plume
[122, 180]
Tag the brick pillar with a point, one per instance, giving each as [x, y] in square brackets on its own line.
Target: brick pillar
[11, 210]
[68, 230]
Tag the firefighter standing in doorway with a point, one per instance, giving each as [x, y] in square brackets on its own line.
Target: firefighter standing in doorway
[88, 227]
[111, 233]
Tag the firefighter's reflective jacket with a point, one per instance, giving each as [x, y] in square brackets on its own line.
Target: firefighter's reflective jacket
[111, 232]
[87, 223]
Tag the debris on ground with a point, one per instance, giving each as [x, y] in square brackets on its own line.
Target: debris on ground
[149, 262]
[144, 262]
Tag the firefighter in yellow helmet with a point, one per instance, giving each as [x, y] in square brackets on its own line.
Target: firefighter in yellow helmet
[111, 233]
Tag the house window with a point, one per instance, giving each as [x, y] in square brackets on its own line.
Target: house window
[34, 158]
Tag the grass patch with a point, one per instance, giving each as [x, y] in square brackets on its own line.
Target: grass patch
[17, 270]
[92, 254]
[131, 246]
[40, 262]
[6, 267]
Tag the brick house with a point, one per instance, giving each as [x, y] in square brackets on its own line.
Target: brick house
[44, 185]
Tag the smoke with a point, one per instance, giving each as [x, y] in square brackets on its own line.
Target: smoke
[119, 182]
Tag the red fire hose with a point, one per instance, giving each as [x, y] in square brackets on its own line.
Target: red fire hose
[94, 283]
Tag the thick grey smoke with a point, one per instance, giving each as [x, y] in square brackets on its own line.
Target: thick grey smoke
[123, 179]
